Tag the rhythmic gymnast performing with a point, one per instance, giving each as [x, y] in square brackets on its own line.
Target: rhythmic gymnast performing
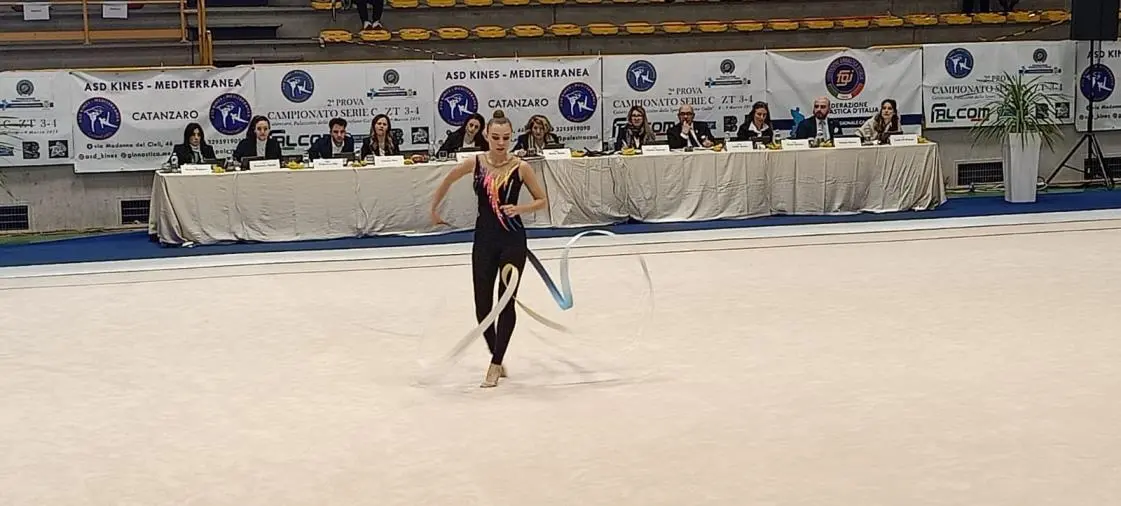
[500, 239]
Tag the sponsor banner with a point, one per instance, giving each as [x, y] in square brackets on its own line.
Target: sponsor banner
[301, 100]
[564, 90]
[1097, 73]
[855, 81]
[131, 120]
[959, 80]
[35, 118]
[721, 87]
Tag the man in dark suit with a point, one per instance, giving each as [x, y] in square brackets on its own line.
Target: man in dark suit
[335, 144]
[687, 132]
[820, 125]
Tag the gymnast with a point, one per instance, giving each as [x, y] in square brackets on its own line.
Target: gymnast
[499, 232]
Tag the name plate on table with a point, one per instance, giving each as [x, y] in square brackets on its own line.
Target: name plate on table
[656, 149]
[740, 146]
[557, 153]
[264, 165]
[847, 142]
[330, 163]
[461, 156]
[795, 144]
[389, 161]
[195, 168]
[904, 140]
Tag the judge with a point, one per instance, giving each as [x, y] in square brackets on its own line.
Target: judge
[687, 132]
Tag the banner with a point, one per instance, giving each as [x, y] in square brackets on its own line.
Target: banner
[34, 118]
[721, 87]
[131, 120]
[1097, 81]
[565, 90]
[854, 80]
[960, 79]
[301, 100]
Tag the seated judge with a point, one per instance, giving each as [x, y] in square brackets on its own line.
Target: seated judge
[538, 134]
[257, 141]
[194, 148]
[820, 126]
[687, 132]
[883, 125]
[636, 132]
[380, 142]
[468, 137]
[334, 145]
[758, 127]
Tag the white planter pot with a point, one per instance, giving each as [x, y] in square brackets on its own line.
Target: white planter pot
[1021, 166]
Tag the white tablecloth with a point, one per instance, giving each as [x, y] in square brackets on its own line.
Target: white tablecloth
[290, 205]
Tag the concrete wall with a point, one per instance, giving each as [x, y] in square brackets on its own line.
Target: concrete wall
[62, 200]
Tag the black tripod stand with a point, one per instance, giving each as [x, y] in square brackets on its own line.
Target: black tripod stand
[1093, 148]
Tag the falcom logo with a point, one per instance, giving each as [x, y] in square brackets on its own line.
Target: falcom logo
[844, 78]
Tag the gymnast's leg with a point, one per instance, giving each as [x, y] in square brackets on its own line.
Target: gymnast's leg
[484, 268]
[513, 252]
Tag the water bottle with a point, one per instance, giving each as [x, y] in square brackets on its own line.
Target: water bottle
[174, 161]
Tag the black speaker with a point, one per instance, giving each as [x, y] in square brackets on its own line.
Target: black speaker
[1094, 19]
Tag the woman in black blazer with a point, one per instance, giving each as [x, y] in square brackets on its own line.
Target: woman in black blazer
[471, 129]
[758, 127]
[538, 134]
[257, 141]
[380, 142]
[194, 148]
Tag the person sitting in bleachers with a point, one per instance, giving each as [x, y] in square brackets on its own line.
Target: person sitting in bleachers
[257, 142]
[380, 142]
[468, 137]
[758, 127]
[882, 126]
[538, 134]
[194, 148]
[636, 132]
[371, 23]
[687, 132]
[334, 145]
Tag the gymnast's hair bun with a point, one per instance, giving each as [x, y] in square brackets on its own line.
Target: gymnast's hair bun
[498, 114]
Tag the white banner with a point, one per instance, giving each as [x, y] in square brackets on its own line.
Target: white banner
[854, 80]
[300, 101]
[565, 90]
[34, 118]
[721, 87]
[131, 120]
[1097, 83]
[959, 79]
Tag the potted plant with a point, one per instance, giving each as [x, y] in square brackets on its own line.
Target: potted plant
[1021, 118]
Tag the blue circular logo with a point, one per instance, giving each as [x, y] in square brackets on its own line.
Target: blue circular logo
[297, 86]
[1097, 82]
[641, 75]
[959, 63]
[578, 102]
[844, 78]
[457, 103]
[230, 114]
[99, 118]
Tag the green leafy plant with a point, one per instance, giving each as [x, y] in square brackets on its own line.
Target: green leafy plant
[1020, 108]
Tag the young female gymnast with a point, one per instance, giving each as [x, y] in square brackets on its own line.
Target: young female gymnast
[499, 232]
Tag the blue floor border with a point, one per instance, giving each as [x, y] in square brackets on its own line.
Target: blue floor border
[137, 245]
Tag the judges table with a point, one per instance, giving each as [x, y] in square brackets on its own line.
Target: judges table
[291, 205]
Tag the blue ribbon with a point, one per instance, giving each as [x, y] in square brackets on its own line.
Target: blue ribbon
[563, 295]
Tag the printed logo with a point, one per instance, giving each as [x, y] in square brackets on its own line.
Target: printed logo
[297, 86]
[727, 76]
[578, 102]
[391, 77]
[641, 75]
[959, 63]
[31, 150]
[845, 78]
[1097, 82]
[230, 114]
[457, 103]
[58, 148]
[1039, 55]
[25, 88]
[99, 118]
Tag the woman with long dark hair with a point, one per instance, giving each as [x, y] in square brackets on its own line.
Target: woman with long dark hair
[257, 141]
[194, 148]
[758, 127]
[380, 142]
[468, 137]
[883, 125]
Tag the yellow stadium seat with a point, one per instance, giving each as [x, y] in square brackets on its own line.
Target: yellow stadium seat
[404, 4]
[565, 30]
[515, 2]
[887, 21]
[956, 19]
[550, 2]
[676, 27]
[588, 1]
[440, 3]
[375, 35]
[478, 3]
[603, 29]
[818, 24]
[528, 31]
[855, 23]
[747, 25]
[415, 34]
[783, 25]
[921, 19]
[490, 32]
[712, 26]
[325, 6]
[1055, 16]
[990, 18]
[1023, 17]
[624, 1]
[336, 36]
[452, 33]
[639, 28]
